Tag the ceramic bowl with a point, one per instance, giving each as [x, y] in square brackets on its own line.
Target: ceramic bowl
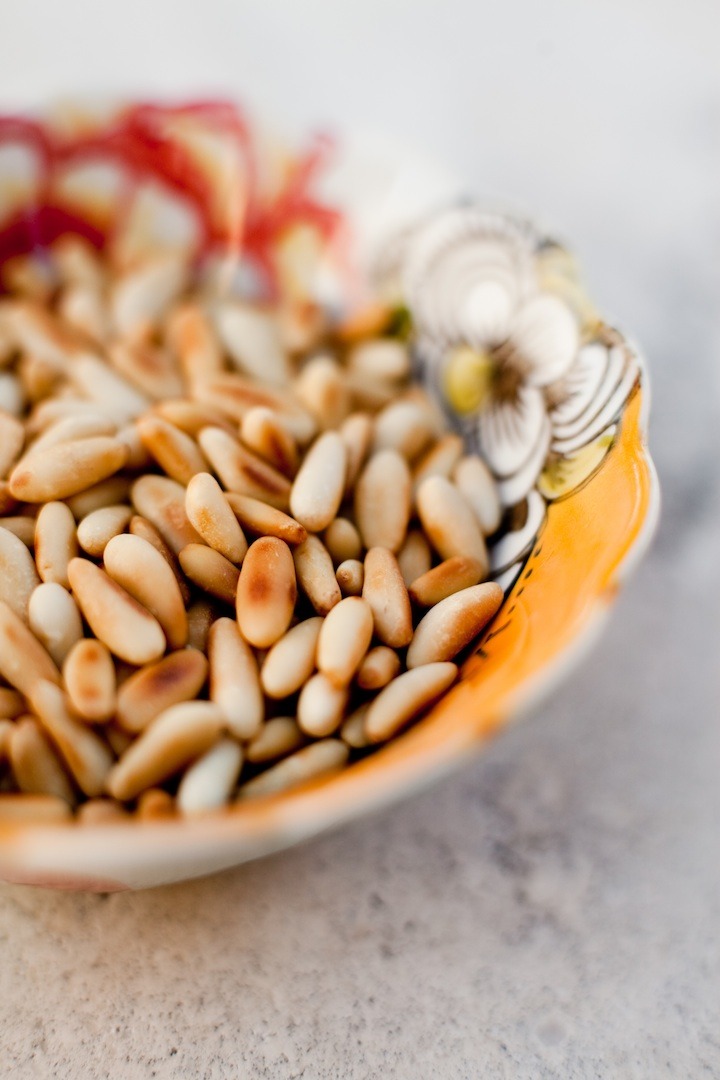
[559, 410]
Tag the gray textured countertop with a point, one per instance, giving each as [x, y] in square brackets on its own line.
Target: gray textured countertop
[553, 910]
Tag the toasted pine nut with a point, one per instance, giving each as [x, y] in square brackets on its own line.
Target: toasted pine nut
[154, 688]
[110, 492]
[140, 526]
[118, 620]
[350, 576]
[414, 557]
[192, 338]
[475, 482]
[342, 540]
[18, 576]
[178, 736]
[55, 410]
[448, 577]
[357, 434]
[155, 804]
[380, 358]
[386, 593]
[38, 378]
[211, 516]
[101, 812]
[453, 623]
[449, 523]
[209, 782]
[234, 679]
[82, 308]
[11, 703]
[85, 754]
[382, 500]
[276, 738]
[322, 389]
[252, 338]
[266, 592]
[263, 432]
[242, 471]
[41, 809]
[201, 615]
[35, 765]
[141, 296]
[318, 487]
[344, 639]
[175, 452]
[55, 473]
[22, 527]
[106, 388]
[291, 660]
[378, 668]
[54, 619]
[403, 426]
[162, 502]
[352, 731]
[142, 571]
[138, 457]
[38, 332]
[234, 396]
[315, 574]
[99, 527]
[320, 706]
[406, 696]
[23, 660]
[146, 367]
[192, 416]
[311, 763]
[89, 676]
[210, 571]
[259, 517]
[12, 437]
[439, 460]
[365, 394]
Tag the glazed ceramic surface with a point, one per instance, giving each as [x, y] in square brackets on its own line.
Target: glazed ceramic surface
[503, 335]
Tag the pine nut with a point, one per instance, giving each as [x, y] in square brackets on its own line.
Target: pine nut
[212, 518]
[414, 557]
[12, 704]
[357, 434]
[107, 389]
[450, 576]
[201, 615]
[453, 623]
[318, 487]
[380, 358]
[82, 308]
[89, 677]
[141, 296]
[234, 396]
[96, 530]
[35, 765]
[344, 639]
[37, 809]
[140, 526]
[175, 452]
[101, 812]
[402, 699]
[210, 571]
[378, 668]
[263, 432]
[342, 540]
[448, 521]
[265, 520]
[234, 679]
[475, 482]
[162, 502]
[291, 660]
[156, 687]
[110, 492]
[242, 471]
[178, 736]
[18, 576]
[352, 731]
[85, 754]
[320, 706]
[155, 804]
[276, 738]
[151, 370]
[192, 338]
[144, 574]
[67, 469]
[23, 660]
[350, 576]
[405, 427]
[119, 621]
[439, 460]
[382, 500]
[54, 619]
[252, 338]
[386, 593]
[22, 527]
[321, 387]
[12, 438]
[208, 784]
[315, 574]
[318, 760]
[266, 592]
[192, 416]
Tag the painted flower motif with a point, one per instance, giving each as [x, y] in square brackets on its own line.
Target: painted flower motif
[500, 328]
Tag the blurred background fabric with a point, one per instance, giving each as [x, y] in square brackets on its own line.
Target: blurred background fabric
[554, 909]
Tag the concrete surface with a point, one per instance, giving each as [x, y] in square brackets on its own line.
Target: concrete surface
[554, 909]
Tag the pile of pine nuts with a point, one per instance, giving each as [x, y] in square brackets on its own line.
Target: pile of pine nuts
[238, 548]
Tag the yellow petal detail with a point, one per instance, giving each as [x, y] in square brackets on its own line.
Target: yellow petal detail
[468, 379]
[564, 474]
